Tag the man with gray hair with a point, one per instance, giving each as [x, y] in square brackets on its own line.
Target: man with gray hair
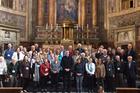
[8, 53]
[119, 71]
[13, 72]
[131, 72]
[84, 60]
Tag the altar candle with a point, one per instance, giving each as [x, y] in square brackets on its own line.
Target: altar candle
[47, 26]
[87, 25]
[77, 26]
[51, 26]
[82, 27]
[64, 25]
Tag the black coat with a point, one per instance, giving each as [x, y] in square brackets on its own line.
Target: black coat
[79, 68]
[98, 55]
[110, 70]
[119, 66]
[67, 63]
[13, 69]
[25, 69]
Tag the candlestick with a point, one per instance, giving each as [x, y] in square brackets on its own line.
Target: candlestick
[77, 26]
[82, 27]
[64, 25]
[87, 26]
[47, 26]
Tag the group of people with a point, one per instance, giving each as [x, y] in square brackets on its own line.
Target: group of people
[82, 67]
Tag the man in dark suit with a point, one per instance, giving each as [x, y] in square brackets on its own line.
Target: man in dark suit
[130, 52]
[131, 72]
[67, 64]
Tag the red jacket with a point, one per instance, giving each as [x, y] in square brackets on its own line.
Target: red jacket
[44, 69]
[71, 52]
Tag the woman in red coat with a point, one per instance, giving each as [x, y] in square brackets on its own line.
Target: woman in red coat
[44, 73]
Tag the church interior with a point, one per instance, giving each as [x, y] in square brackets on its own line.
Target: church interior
[89, 22]
[50, 23]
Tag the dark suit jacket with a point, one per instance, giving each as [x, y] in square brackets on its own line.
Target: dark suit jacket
[131, 53]
[132, 71]
[67, 62]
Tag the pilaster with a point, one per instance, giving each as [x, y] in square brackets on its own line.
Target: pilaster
[83, 12]
[40, 12]
[94, 8]
[0, 2]
[52, 12]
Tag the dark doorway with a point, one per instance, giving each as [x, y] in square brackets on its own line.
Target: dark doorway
[124, 47]
[5, 45]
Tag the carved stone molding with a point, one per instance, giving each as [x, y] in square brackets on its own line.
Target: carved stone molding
[124, 20]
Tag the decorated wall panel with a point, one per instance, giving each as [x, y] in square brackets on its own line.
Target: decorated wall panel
[124, 20]
[12, 20]
[127, 36]
[8, 36]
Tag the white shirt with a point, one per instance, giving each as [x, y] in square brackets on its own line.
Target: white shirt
[90, 68]
[3, 68]
[21, 56]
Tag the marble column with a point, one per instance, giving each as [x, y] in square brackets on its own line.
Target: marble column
[82, 12]
[14, 4]
[0, 2]
[79, 13]
[52, 12]
[17, 5]
[40, 12]
[105, 14]
[94, 12]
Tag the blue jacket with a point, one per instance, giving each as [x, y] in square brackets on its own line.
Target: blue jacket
[8, 54]
[79, 68]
